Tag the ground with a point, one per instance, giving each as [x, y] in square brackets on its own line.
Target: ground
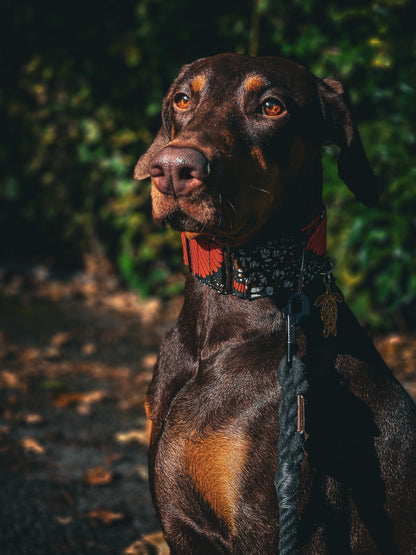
[76, 357]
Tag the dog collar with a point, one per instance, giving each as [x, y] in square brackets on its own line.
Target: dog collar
[261, 270]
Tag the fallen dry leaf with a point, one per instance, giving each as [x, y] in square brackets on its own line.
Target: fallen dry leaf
[89, 399]
[94, 396]
[148, 361]
[98, 476]
[64, 520]
[29, 354]
[32, 445]
[60, 338]
[106, 516]
[143, 472]
[89, 349]
[52, 352]
[83, 397]
[148, 544]
[141, 436]
[33, 418]
[123, 302]
[56, 290]
[65, 399]
[10, 380]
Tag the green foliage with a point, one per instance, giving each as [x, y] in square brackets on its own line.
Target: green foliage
[80, 100]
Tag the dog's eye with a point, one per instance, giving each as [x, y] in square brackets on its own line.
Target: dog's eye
[182, 101]
[271, 108]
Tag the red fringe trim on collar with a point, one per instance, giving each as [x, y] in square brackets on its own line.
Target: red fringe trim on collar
[206, 257]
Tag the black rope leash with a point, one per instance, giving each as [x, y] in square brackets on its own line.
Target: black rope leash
[290, 447]
[291, 376]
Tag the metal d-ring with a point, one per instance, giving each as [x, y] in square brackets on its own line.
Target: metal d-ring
[331, 268]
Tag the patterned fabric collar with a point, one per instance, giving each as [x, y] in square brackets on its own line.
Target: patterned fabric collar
[263, 269]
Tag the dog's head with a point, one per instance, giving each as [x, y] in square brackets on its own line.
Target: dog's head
[240, 145]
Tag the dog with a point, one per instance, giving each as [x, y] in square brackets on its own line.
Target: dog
[236, 168]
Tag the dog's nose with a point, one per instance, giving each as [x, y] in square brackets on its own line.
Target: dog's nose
[178, 170]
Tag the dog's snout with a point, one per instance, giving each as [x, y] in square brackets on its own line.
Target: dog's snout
[178, 171]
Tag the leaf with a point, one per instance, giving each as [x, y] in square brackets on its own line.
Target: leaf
[84, 398]
[64, 520]
[10, 380]
[67, 399]
[106, 516]
[32, 445]
[60, 338]
[33, 418]
[98, 476]
[89, 349]
[139, 436]
[27, 355]
[148, 543]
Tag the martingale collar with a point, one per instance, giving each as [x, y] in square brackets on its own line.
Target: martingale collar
[260, 270]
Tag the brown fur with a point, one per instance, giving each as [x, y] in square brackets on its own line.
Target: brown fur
[214, 396]
[255, 83]
[215, 463]
[198, 83]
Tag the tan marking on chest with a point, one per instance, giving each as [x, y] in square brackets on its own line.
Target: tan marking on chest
[216, 463]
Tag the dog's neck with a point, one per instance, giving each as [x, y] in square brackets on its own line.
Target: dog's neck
[260, 269]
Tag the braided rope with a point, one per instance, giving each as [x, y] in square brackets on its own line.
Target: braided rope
[287, 480]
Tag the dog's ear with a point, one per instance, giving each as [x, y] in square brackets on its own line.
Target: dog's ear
[353, 166]
[141, 169]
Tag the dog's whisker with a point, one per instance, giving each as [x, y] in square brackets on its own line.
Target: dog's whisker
[261, 190]
[232, 206]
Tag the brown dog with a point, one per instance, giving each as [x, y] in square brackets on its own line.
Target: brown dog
[236, 167]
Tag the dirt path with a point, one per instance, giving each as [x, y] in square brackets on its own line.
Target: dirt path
[76, 356]
[75, 360]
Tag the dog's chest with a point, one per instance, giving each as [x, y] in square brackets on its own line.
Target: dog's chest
[218, 432]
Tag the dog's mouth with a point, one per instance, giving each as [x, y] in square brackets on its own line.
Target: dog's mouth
[213, 227]
[220, 230]
[181, 221]
[215, 211]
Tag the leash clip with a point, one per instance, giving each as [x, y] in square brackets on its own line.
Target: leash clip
[296, 308]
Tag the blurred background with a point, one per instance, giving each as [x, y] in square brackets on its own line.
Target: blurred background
[82, 84]
[88, 284]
